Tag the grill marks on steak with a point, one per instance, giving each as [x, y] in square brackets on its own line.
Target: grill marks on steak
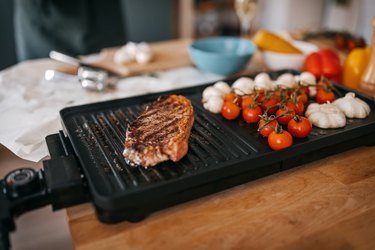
[160, 133]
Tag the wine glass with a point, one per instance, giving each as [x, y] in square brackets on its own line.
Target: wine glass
[245, 10]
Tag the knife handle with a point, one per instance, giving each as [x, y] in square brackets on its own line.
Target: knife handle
[58, 56]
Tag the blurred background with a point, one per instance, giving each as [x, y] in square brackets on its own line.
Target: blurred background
[150, 20]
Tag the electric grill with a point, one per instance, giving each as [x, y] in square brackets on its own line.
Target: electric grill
[86, 161]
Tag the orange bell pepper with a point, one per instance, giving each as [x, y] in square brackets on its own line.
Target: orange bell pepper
[355, 65]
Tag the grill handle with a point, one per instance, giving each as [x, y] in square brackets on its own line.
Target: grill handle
[60, 183]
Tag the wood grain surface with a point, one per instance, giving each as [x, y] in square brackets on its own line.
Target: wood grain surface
[166, 55]
[326, 204]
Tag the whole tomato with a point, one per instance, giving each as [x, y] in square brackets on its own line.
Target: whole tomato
[233, 97]
[340, 41]
[252, 113]
[264, 129]
[323, 95]
[299, 126]
[230, 111]
[247, 101]
[284, 114]
[323, 83]
[302, 96]
[352, 44]
[296, 105]
[269, 104]
[280, 139]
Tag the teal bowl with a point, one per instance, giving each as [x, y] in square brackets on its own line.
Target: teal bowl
[221, 55]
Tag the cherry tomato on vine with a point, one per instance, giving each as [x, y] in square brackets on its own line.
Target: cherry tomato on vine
[304, 89]
[230, 111]
[252, 114]
[303, 98]
[270, 104]
[300, 126]
[264, 129]
[233, 97]
[322, 96]
[280, 139]
[323, 83]
[284, 115]
[247, 101]
[297, 106]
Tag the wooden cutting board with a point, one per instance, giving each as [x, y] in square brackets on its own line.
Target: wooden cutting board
[166, 55]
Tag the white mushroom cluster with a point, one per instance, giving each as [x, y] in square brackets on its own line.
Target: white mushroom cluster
[139, 52]
[213, 96]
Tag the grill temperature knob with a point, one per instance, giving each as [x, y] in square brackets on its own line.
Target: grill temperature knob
[21, 182]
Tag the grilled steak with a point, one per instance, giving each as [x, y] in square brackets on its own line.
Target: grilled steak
[160, 133]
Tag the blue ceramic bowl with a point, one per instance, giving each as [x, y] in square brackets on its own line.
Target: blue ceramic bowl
[221, 55]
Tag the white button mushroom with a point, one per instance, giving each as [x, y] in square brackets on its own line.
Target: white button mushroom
[307, 78]
[243, 86]
[211, 91]
[286, 80]
[214, 104]
[263, 81]
[223, 86]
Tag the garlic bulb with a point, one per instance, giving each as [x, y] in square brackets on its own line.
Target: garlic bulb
[211, 91]
[307, 78]
[243, 86]
[121, 57]
[131, 51]
[286, 80]
[352, 106]
[263, 81]
[214, 104]
[325, 115]
[143, 57]
[223, 86]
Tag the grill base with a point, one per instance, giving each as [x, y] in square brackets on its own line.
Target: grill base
[140, 211]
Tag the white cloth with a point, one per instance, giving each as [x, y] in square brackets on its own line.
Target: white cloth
[30, 105]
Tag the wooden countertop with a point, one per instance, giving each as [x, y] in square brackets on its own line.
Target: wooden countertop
[329, 203]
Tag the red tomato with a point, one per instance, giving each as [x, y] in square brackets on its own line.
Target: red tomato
[284, 115]
[233, 97]
[297, 106]
[230, 111]
[247, 101]
[323, 83]
[252, 113]
[322, 96]
[280, 139]
[267, 129]
[269, 104]
[352, 44]
[300, 126]
[303, 98]
[304, 89]
[340, 41]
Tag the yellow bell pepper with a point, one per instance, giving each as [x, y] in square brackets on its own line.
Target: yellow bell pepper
[355, 65]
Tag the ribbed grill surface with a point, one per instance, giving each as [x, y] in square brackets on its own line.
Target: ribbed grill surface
[103, 135]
